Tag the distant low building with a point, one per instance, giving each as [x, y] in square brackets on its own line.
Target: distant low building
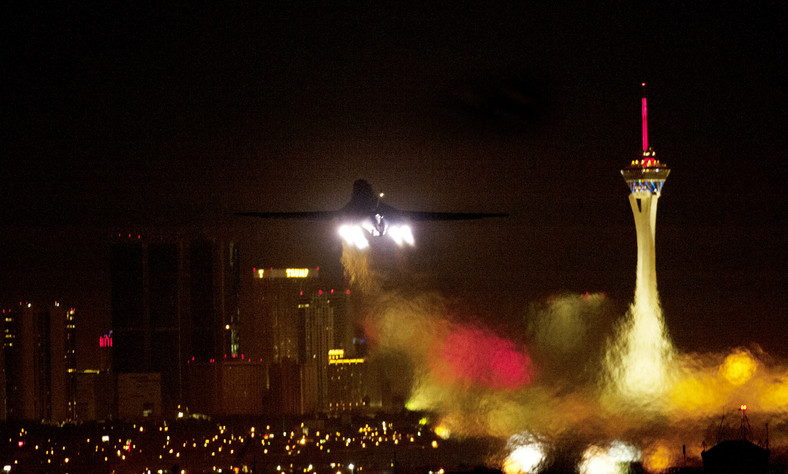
[95, 395]
[293, 388]
[228, 387]
[736, 456]
[139, 396]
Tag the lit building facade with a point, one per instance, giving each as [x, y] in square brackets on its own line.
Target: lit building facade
[175, 298]
[301, 319]
[40, 362]
[346, 382]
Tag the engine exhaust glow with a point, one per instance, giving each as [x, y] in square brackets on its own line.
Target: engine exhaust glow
[354, 235]
[358, 235]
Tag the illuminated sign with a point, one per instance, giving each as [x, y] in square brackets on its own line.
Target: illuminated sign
[106, 340]
[297, 272]
[265, 273]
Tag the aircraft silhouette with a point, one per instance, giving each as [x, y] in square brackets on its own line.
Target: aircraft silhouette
[366, 213]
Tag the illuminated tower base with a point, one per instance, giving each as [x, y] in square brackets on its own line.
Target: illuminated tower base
[644, 209]
[640, 358]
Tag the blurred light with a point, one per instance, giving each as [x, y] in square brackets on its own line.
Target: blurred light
[401, 235]
[442, 432]
[738, 367]
[526, 455]
[354, 235]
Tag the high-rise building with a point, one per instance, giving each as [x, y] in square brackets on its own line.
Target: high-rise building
[300, 318]
[40, 362]
[174, 299]
[278, 292]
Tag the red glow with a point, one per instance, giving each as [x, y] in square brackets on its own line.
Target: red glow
[645, 123]
[743, 408]
[478, 357]
[105, 340]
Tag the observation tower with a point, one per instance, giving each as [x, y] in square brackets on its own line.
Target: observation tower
[645, 178]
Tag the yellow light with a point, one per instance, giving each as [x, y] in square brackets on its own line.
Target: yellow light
[297, 272]
[738, 368]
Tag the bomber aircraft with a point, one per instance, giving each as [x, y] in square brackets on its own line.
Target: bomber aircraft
[366, 216]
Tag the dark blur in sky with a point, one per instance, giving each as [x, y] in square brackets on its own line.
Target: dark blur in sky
[126, 115]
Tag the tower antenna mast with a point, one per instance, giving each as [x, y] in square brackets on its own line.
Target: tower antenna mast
[644, 113]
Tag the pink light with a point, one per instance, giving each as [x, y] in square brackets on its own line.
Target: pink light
[645, 114]
[105, 341]
[473, 356]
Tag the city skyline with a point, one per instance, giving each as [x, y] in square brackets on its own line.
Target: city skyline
[530, 112]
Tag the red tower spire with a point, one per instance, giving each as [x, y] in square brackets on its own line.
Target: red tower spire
[644, 112]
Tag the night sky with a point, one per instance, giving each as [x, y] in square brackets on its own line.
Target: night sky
[124, 116]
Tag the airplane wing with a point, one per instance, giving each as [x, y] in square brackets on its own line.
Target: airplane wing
[308, 215]
[392, 212]
[447, 216]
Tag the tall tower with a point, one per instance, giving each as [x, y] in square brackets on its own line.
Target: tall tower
[639, 359]
[645, 178]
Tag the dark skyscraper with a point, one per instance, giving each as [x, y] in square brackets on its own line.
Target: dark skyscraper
[40, 362]
[174, 298]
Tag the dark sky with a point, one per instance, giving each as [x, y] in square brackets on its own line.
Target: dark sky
[124, 116]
